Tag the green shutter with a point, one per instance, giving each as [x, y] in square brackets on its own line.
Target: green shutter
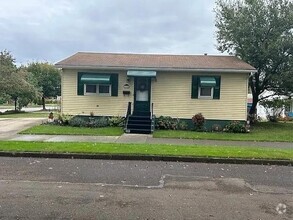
[80, 85]
[217, 88]
[114, 84]
[194, 87]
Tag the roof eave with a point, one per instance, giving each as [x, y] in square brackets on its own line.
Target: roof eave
[75, 67]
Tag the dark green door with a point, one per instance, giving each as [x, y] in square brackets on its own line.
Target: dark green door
[142, 94]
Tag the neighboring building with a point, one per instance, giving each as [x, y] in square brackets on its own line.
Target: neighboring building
[143, 85]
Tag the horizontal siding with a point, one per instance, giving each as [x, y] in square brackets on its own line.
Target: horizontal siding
[172, 97]
[99, 105]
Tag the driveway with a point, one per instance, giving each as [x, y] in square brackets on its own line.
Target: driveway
[9, 127]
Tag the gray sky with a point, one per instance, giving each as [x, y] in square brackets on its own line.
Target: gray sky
[50, 30]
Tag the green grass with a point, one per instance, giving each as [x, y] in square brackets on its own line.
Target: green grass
[67, 130]
[146, 149]
[26, 115]
[263, 131]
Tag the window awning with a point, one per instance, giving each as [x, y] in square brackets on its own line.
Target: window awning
[207, 81]
[141, 73]
[95, 79]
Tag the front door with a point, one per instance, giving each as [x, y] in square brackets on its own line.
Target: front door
[142, 93]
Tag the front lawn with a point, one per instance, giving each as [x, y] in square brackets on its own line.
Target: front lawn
[67, 130]
[146, 149]
[263, 131]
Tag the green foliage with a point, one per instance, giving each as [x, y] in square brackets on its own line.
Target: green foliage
[274, 108]
[235, 127]
[63, 119]
[94, 122]
[169, 123]
[14, 83]
[46, 78]
[77, 122]
[166, 123]
[217, 128]
[91, 122]
[198, 121]
[116, 121]
[260, 33]
[182, 125]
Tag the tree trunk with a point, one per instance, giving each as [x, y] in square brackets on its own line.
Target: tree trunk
[15, 104]
[252, 110]
[43, 103]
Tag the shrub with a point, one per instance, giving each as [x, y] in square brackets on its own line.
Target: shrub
[182, 125]
[166, 123]
[236, 127]
[198, 121]
[116, 121]
[97, 122]
[77, 122]
[217, 128]
[63, 119]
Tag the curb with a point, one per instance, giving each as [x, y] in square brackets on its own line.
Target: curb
[149, 158]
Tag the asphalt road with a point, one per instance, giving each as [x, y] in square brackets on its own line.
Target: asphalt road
[32, 188]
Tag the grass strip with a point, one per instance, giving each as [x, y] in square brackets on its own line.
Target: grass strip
[147, 149]
[67, 130]
[263, 131]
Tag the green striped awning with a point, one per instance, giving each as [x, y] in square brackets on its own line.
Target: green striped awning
[141, 73]
[207, 81]
[95, 79]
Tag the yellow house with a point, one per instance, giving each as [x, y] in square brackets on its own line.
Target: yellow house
[140, 86]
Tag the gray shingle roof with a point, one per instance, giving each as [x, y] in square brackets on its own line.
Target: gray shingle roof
[153, 61]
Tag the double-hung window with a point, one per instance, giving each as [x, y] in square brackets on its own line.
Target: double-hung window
[205, 87]
[97, 84]
[97, 89]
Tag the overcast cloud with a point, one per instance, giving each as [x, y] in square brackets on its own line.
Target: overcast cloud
[50, 30]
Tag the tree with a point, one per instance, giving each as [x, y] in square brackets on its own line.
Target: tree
[7, 67]
[47, 78]
[260, 32]
[14, 82]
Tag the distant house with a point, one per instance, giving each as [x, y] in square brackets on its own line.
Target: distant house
[140, 86]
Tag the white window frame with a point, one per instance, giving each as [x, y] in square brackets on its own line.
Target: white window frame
[104, 94]
[97, 90]
[90, 93]
[206, 97]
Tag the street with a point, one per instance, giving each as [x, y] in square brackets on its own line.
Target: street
[33, 188]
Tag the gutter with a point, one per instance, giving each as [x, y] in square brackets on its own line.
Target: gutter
[89, 67]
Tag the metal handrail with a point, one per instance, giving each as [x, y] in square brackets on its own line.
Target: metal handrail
[152, 110]
[127, 114]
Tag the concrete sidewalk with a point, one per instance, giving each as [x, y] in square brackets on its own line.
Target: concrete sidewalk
[146, 139]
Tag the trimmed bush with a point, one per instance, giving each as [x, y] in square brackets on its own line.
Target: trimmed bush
[236, 127]
[77, 122]
[116, 121]
[169, 123]
[97, 122]
[198, 121]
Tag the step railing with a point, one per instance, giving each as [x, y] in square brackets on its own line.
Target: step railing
[152, 118]
[128, 113]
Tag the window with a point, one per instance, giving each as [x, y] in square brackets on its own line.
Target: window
[105, 90]
[90, 89]
[206, 92]
[205, 87]
[99, 89]
[89, 83]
